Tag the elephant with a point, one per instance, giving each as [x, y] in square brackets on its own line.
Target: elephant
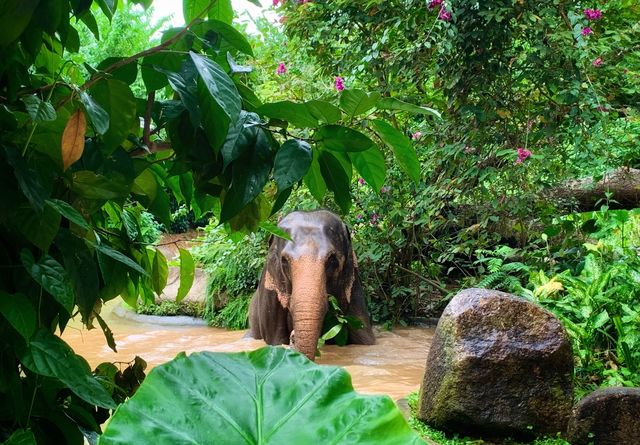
[291, 300]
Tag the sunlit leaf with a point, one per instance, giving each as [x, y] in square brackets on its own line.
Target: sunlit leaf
[99, 118]
[401, 147]
[371, 165]
[357, 102]
[187, 273]
[159, 272]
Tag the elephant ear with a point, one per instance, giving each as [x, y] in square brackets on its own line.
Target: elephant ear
[350, 271]
[274, 279]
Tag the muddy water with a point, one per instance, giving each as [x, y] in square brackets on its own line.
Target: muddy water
[393, 366]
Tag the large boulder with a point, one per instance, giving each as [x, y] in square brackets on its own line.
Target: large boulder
[498, 365]
[608, 416]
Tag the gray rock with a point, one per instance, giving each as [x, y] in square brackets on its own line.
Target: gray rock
[606, 417]
[498, 365]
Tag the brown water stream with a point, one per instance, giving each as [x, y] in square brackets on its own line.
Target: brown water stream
[393, 366]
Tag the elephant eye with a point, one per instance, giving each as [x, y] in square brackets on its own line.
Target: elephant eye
[332, 263]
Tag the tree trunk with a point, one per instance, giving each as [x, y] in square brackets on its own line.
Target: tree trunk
[623, 183]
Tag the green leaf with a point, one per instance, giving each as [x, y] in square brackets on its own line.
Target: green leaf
[99, 118]
[250, 174]
[27, 178]
[19, 312]
[357, 102]
[108, 7]
[275, 230]
[49, 356]
[401, 147]
[337, 179]
[65, 209]
[236, 68]
[192, 9]
[89, 19]
[154, 79]
[281, 199]
[231, 35]
[292, 162]
[38, 228]
[159, 272]
[21, 437]
[332, 332]
[91, 185]
[187, 273]
[324, 111]
[339, 138]
[294, 113]
[269, 396]
[250, 101]
[314, 180]
[239, 138]
[222, 10]
[39, 110]
[117, 100]
[371, 166]
[122, 258]
[127, 73]
[214, 119]
[53, 278]
[15, 15]
[389, 103]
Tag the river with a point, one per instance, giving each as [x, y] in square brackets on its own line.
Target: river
[394, 366]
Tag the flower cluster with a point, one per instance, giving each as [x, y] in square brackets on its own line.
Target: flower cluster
[416, 135]
[361, 181]
[444, 14]
[586, 31]
[592, 14]
[597, 62]
[281, 69]
[434, 4]
[523, 154]
[339, 83]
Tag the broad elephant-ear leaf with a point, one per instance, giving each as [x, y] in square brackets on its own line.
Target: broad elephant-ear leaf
[269, 396]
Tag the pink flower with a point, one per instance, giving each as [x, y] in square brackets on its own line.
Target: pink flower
[416, 135]
[523, 154]
[359, 217]
[586, 31]
[339, 83]
[597, 62]
[592, 14]
[282, 19]
[281, 69]
[444, 15]
[434, 3]
[276, 2]
[361, 181]
[385, 189]
[374, 218]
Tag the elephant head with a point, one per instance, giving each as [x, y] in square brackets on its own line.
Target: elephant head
[299, 275]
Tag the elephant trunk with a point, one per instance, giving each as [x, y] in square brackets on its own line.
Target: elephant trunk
[308, 308]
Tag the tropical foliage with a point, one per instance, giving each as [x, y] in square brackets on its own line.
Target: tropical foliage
[268, 396]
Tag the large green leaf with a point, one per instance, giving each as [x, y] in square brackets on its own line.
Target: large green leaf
[324, 111]
[21, 437]
[228, 33]
[291, 163]
[314, 180]
[239, 138]
[371, 166]
[28, 179]
[159, 272]
[390, 103]
[222, 10]
[187, 273]
[192, 9]
[250, 174]
[99, 118]
[294, 113]
[269, 396]
[117, 100]
[336, 178]
[19, 312]
[154, 79]
[127, 73]
[122, 258]
[65, 209]
[357, 102]
[49, 356]
[38, 109]
[108, 7]
[401, 147]
[339, 138]
[91, 185]
[15, 15]
[53, 278]
[38, 228]
[219, 85]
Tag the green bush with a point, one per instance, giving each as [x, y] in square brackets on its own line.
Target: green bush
[170, 307]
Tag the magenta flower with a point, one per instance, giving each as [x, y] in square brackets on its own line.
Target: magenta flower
[276, 2]
[434, 3]
[592, 14]
[523, 154]
[374, 218]
[385, 189]
[444, 15]
[281, 69]
[361, 181]
[359, 217]
[597, 62]
[416, 135]
[339, 83]
[586, 31]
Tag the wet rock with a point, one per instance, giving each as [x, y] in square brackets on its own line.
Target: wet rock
[498, 365]
[607, 417]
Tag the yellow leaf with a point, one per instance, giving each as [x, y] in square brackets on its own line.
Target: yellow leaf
[73, 138]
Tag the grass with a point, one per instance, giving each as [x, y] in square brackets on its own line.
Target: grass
[441, 438]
